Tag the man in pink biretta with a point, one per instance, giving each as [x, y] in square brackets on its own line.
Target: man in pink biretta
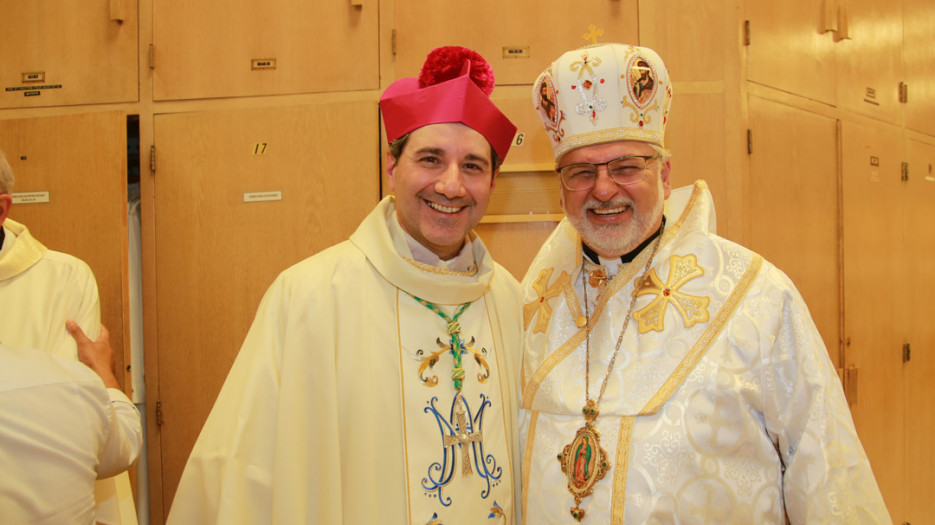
[378, 381]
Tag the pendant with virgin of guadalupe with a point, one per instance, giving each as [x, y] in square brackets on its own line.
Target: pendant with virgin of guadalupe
[584, 463]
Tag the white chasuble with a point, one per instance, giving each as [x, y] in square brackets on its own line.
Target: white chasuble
[722, 405]
[457, 444]
[340, 407]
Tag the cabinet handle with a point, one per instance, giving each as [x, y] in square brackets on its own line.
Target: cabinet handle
[844, 18]
[117, 11]
[830, 16]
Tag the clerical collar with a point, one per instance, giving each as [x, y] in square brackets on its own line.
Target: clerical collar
[627, 257]
[463, 262]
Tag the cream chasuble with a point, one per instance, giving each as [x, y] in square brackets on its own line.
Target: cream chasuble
[722, 405]
[39, 290]
[341, 408]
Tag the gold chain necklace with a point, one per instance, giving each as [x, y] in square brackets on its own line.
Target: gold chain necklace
[584, 462]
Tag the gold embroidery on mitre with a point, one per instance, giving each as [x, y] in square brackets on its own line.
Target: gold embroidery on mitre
[541, 304]
[694, 309]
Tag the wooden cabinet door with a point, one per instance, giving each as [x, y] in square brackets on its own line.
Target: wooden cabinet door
[790, 49]
[519, 38]
[875, 288]
[870, 61]
[208, 50]
[793, 206]
[240, 195]
[698, 42]
[919, 65]
[73, 171]
[920, 369]
[57, 53]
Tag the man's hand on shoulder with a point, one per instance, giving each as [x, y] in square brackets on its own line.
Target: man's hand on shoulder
[97, 355]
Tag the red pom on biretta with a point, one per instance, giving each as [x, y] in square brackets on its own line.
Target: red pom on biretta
[454, 85]
[448, 62]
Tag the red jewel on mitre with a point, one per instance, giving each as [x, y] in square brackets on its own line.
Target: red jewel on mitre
[454, 86]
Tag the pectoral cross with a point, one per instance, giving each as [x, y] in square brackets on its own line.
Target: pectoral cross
[461, 438]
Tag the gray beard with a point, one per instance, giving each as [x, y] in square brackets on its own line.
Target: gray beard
[614, 241]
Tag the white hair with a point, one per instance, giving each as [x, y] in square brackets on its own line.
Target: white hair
[6, 175]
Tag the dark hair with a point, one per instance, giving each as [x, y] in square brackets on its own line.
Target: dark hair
[397, 146]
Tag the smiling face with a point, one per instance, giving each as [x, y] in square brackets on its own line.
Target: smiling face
[442, 180]
[614, 219]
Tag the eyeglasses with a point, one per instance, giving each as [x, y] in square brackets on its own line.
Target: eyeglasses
[624, 170]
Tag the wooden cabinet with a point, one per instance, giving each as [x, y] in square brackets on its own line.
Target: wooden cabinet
[56, 53]
[75, 166]
[519, 38]
[919, 61]
[790, 46]
[870, 68]
[701, 49]
[919, 239]
[240, 195]
[875, 319]
[208, 50]
[793, 206]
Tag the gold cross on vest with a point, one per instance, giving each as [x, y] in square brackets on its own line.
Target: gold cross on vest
[462, 438]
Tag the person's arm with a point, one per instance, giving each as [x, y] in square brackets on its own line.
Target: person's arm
[827, 477]
[125, 433]
[96, 355]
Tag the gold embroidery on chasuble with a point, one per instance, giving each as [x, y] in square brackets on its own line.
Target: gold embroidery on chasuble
[431, 358]
[694, 309]
[457, 457]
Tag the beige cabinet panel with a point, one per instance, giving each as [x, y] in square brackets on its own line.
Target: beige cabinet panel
[519, 38]
[695, 39]
[789, 48]
[920, 389]
[80, 161]
[793, 206]
[57, 53]
[869, 61]
[240, 195]
[919, 64]
[515, 244]
[875, 310]
[697, 138]
[532, 149]
[208, 50]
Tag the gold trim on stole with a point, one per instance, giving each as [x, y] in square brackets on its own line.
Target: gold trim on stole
[402, 392]
[673, 382]
[701, 345]
[527, 458]
[621, 470]
[439, 271]
[509, 417]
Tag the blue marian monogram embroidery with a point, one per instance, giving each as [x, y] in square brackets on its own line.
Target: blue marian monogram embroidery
[464, 429]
